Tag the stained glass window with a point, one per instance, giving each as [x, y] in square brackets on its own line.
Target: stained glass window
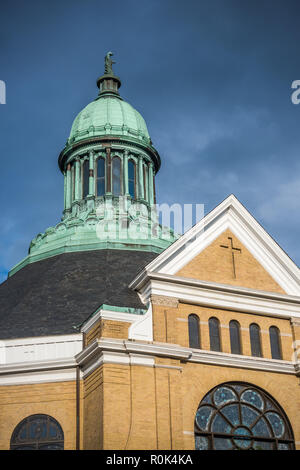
[116, 176]
[100, 177]
[194, 331]
[38, 432]
[275, 342]
[85, 179]
[239, 416]
[235, 337]
[131, 178]
[214, 334]
[255, 340]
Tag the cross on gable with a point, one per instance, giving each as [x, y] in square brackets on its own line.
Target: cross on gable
[233, 250]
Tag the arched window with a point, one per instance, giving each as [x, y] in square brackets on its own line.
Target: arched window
[235, 337]
[239, 416]
[73, 181]
[85, 178]
[145, 170]
[37, 432]
[116, 176]
[100, 183]
[194, 331]
[131, 178]
[275, 342]
[214, 334]
[255, 340]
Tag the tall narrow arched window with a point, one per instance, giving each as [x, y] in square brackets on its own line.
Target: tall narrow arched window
[214, 334]
[73, 181]
[131, 178]
[85, 178]
[145, 170]
[37, 432]
[235, 337]
[100, 183]
[194, 331]
[255, 340]
[116, 176]
[275, 342]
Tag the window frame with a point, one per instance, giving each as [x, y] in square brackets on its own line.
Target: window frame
[278, 346]
[102, 178]
[214, 323]
[235, 329]
[114, 159]
[194, 330]
[256, 340]
[36, 443]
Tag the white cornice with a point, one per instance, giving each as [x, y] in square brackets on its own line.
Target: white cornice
[140, 325]
[76, 337]
[63, 370]
[216, 295]
[103, 314]
[126, 352]
[35, 366]
[233, 215]
[110, 350]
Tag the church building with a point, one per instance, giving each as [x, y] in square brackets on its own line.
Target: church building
[117, 333]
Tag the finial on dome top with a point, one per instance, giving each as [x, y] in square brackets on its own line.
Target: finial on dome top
[108, 64]
[108, 84]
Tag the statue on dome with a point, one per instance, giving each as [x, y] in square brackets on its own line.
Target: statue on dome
[108, 64]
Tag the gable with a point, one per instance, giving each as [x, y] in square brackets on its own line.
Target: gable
[261, 264]
[227, 261]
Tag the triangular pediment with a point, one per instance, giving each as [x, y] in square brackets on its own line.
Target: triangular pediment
[227, 261]
[228, 246]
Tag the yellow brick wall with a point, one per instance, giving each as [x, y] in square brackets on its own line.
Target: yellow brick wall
[55, 399]
[107, 329]
[93, 411]
[214, 264]
[155, 407]
[171, 325]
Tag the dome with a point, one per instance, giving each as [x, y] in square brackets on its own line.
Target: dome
[109, 115]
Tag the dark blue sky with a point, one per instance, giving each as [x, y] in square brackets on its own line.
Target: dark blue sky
[212, 78]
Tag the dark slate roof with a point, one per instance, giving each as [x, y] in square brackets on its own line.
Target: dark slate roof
[50, 296]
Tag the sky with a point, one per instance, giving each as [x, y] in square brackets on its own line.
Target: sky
[212, 78]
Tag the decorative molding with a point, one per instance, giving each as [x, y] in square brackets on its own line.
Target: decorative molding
[165, 301]
[103, 314]
[130, 352]
[29, 378]
[295, 321]
[141, 324]
[211, 294]
[118, 351]
[63, 370]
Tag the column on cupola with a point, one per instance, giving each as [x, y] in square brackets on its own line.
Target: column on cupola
[125, 166]
[68, 193]
[141, 178]
[77, 179]
[91, 174]
[150, 183]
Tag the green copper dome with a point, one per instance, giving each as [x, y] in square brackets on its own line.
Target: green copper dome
[109, 115]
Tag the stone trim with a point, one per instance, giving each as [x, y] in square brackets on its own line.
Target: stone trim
[164, 300]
